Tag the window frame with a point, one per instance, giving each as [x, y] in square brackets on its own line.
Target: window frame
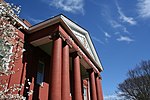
[40, 73]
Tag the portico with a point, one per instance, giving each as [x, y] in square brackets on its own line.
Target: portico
[72, 59]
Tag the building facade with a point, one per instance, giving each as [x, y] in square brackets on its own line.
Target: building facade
[59, 62]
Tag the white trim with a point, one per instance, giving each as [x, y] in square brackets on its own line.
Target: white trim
[74, 27]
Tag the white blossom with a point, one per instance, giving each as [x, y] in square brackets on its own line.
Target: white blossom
[9, 40]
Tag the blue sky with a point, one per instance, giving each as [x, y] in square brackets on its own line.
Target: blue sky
[118, 28]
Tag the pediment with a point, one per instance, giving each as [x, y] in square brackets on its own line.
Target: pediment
[84, 38]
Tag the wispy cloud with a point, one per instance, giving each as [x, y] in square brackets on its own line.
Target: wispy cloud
[35, 21]
[95, 3]
[98, 40]
[113, 97]
[125, 39]
[144, 8]
[117, 25]
[107, 35]
[124, 18]
[73, 6]
[125, 30]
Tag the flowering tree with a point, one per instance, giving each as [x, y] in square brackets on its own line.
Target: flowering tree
[10, 47]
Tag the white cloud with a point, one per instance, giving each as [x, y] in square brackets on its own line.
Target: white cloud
[72, 6]
[125, 38]
[117, 25]
[97, 39]
[35, 21]
[113, 97]
[124, 18]
[116, 33]
[107, 35]
[125, 30]
[144, 8]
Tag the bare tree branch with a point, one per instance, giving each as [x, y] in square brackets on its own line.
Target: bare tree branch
[137, 85]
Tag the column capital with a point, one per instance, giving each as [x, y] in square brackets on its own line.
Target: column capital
[74, 54]
[98, 75]
[54, 36]
[67, 40]
[90, 70]
[95, 73]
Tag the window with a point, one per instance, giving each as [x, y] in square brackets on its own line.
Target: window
[85, 93]
[40, 73]
[5, 54]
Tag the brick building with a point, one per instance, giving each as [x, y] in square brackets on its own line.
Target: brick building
[59, 62]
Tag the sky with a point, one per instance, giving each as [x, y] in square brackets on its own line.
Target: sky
[118, 28]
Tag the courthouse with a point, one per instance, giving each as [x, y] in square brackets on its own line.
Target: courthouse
[59, 61]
